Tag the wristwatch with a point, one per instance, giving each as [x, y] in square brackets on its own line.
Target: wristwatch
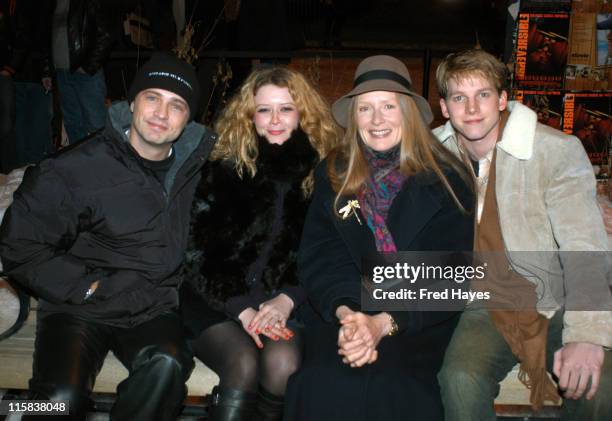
[394, 327]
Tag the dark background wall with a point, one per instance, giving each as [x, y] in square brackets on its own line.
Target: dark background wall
[282, 30]
[282, 24]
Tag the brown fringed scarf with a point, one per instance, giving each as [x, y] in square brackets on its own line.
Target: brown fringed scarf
[513, 303]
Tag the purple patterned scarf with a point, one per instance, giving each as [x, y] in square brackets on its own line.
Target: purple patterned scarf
[375, 198]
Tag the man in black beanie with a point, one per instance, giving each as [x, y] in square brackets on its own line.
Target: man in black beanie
[97, 233]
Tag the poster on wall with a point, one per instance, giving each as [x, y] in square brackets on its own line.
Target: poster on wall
[542, 50]
[584, 78]
[596, 6]
[548, 105]
[604, 39]
[546, 5]
[588, 116]
[582, 42]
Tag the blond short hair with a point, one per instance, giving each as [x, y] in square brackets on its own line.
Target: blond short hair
[468, 63]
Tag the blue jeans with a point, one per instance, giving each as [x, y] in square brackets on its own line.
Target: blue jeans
[34, 111]
[478, 358]
[82, 102]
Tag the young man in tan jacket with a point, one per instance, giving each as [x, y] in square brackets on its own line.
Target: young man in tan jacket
[538, 214]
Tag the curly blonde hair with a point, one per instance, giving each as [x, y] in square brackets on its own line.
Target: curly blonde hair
[238, 138]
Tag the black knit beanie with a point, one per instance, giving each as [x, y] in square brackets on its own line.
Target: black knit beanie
[165, 71]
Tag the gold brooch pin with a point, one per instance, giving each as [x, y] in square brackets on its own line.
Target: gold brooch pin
[350, 208]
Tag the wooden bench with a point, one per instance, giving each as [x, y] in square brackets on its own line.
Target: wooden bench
[513, 400]
[16, 369]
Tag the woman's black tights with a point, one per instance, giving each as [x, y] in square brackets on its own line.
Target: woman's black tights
[230, 352]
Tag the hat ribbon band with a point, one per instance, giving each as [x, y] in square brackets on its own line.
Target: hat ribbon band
[382, 74]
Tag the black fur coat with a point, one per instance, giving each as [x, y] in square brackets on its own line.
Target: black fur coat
[245, 232]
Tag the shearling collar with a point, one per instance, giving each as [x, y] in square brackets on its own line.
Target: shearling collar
[519, 133]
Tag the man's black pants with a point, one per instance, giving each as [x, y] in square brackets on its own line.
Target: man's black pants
[69, 353]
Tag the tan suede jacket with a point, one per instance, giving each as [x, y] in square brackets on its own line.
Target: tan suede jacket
[550, 220]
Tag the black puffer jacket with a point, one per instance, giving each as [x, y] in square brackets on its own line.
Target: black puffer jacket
[95, 211]
[89, 34]
[246, 231]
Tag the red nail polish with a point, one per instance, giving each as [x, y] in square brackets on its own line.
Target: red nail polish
[258, 331]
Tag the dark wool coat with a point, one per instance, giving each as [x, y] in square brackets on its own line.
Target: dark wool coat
[245, 232]
[402, 383]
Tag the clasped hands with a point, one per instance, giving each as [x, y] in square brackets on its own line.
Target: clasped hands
[270, 320]
[359, 335]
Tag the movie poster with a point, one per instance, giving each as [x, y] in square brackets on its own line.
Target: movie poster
[588, 116]
[548, 105]
[594, 6]
[546, 5]
[542, 50]
[582, 40]
[604, 39]
[586, 78]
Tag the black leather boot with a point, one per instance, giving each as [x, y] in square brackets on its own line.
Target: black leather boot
[231, 405]
[155, 388]
[269, 406]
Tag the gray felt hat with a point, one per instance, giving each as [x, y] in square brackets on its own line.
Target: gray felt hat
[380, 73]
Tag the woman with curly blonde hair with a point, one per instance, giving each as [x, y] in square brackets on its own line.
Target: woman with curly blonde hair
[238, 134]
[241, 298]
